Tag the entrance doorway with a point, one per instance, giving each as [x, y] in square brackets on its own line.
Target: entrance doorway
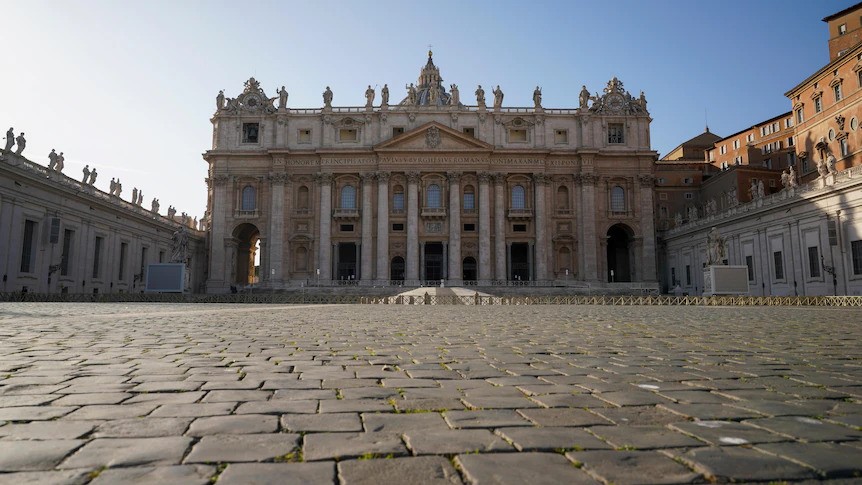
[346, 261]
[469, 269]
[433, 261]
[619, 259]
[520, 256]
[248, 244]
[396, 269]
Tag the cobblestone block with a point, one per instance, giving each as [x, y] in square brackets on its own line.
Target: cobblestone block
[645, 467]
[806, 428]
[197, 410]
[34, 455]
[400, 423]
[563, 417]
[431, 470]
[336, 422]
[161, 475]
[736, 463]
[111, 452]
[63, 477]
[47, 430]
[552, 439]
[493, 418]
[112, 411]
[830, 460]
[454, 441]
[519, 468]
[280, 406]
[281, 473]
[240, 424]
[166, 398]
[34, 413]
[242, 447]
[327, 446]
[723, 433]
[142, 427]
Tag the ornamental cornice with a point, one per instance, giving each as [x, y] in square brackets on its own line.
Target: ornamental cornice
[586, 179]
[484, 177]
[383, 177]
[367, 177]
[220, 180]
[277, 178]
[413, 177]
[499, 178]
[323, 178]
[541, 179]
[453, 177]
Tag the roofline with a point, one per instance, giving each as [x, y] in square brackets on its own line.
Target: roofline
[847, 56]
[782, 115]
[842, 12]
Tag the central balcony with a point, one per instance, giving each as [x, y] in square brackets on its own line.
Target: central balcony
[345, 214]
[434, 212]
[520, 214]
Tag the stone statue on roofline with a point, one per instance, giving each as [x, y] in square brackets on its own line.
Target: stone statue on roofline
[498, 97]
[60, 162]
[584, 97]
[282, 98]
[22, 143]
[411, 94]
[10, 139]
[537, 97]
[369, 97]
[93, 176]
[220, 100]
[86, 171]
[480, 96]
[52, 159]
[792, 177]
[384, 95]
[454, 95]
[327, 98]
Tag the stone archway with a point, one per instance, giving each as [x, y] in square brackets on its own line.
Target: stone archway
[620, 238]
[247, 238]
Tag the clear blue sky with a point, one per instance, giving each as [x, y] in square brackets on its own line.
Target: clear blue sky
[129, 87]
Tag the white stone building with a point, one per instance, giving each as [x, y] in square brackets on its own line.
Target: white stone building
[431, 188]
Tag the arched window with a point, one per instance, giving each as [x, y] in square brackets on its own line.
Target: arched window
[248, 198]
[562, 197]
[518, 198]
[348, 197]
[432, 196]
[618, 199]
[302, 197]
[469, 198]
[398, 199]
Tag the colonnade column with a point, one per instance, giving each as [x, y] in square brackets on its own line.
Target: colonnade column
[647, 228]
[499, 227]
[454, 274]
[276, 229]
[324, 249]
[484, 228]
[587, 228]
[540, 181]
[218, 271]
[383, 226]
[366, 265]
[412, 226]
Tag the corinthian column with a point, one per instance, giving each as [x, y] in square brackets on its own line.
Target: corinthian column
[383, 226]
[455, 273]
[500, 227]
[366, 261]
[540, 181]
[276, 229]
[412, 226]
[323, 246]
[647, 228]
[587, 227]
[484, 228]
[219, 271]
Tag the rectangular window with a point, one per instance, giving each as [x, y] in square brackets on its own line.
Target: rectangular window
[818, 104]
[689, 196]
[737, 160]
[517, 136]
[662, 196]
[469, 201]
[97, 256]
[837, 91]
[750, 137]
[398, 130]
[347, 135]
[250, 132]
[27, 247]
[791, 142]
[842, 29]
[398, 227]
[687, 275]
[814, 262]
[398, 202]
[722, 150]
[856, 255]
[519, 228]
[68, 235]
[616, 133]
[561, 137]
[845, 150]
[788, 123]
[161, 256]
[470, 131]
[736, 144]
[303, 136]
[800, 116]
[347, 228]
[749, 262]
[124, 247]
[778, 262]
[859, 77]
[687, 180]
[469, 227]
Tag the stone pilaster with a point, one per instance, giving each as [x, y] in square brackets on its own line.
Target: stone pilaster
[455, 274]
[647, 184]
[540, 183]
[219, 272]
[500, 226]
[484, 227]
[587, 227]
[323, 246]
[276, 229]
[366, 261]
[412, 263]
[383, 226]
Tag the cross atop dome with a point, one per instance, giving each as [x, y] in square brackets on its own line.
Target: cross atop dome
[429, 89]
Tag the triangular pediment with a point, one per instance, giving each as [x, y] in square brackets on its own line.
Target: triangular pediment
[433, 136]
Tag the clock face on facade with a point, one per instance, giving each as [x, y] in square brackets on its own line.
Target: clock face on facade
[615, 102]
[251, 101]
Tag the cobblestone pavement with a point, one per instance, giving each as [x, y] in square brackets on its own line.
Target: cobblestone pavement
[154, 393]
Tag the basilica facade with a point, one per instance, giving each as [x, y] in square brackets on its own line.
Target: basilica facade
[431, 188]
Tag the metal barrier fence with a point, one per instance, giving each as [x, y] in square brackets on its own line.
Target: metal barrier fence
[428, 299]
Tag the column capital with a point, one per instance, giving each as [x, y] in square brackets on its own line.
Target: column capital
[383, 177]
[368, 177]
[484, 177]
[413, 177]
[453, 177]
[499, 178]
[277, 178]
[647, 180]
[586, 179]
[323, 178]
[220, 180]
[541, 179]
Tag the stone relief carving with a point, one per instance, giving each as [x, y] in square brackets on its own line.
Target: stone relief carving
[253, 100]
[616, 101]
[432, 137]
